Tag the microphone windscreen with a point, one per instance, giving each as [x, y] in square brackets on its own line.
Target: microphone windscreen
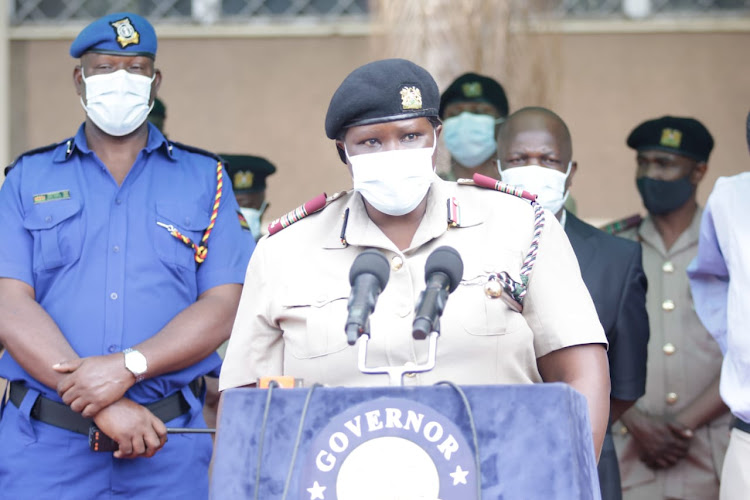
[446, 260]
[371, 262]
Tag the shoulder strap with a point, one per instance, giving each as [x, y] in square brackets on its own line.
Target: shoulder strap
[315, 205]
[490, 183]
[621, 225]
[35, 151]
[199, 151]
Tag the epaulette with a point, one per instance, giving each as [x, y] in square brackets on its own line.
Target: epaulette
[193, 149]
[315, 205]
[490, 183]
[37, 151]
[621, 225]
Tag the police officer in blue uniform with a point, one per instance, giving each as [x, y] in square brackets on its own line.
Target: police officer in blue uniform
[120, 275]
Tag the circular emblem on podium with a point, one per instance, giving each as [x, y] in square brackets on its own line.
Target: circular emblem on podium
[389, 449]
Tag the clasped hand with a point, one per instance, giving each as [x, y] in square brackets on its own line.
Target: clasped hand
[93, 383]
[661, 443]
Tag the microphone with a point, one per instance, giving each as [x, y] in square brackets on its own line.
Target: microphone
[442, 273]
[368, 276]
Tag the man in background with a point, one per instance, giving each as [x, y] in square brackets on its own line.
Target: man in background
[535, 152]
[472, 107]
[673, 440]
[248, 175]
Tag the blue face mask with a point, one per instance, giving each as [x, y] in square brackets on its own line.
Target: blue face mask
[470, 138]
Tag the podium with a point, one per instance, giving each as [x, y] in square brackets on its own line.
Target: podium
[533, 442]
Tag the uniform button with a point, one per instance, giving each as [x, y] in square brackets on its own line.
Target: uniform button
[113, 348]
[667, 267]
[118, 201]
[404, 311]
[671, 398]
[48, 218]
[668, 305]
[623, 430]
[669, 348]
[116, 249]
[113, 296]
[397, 263]
[409, 364]
[187, 221]
[493, 289]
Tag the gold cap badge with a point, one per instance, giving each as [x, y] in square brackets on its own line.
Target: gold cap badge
[671, 138]
[242, 180]
[126, 33]
[411, 98]
[472, 89]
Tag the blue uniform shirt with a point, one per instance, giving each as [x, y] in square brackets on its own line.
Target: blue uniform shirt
[101, 266]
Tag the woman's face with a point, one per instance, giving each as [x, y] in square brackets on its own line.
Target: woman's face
[401, 134]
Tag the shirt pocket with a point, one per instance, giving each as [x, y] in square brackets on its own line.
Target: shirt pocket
[483, 314]
[57, 230]
[315, 322]
[190, 221]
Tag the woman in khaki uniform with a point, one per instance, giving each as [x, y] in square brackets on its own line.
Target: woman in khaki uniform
[291, 321]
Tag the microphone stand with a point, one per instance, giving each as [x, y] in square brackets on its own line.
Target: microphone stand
[396, 373]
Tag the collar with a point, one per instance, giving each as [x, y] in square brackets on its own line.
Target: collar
[156, 140]
[356, 228]
[563, 218]
[648, 233]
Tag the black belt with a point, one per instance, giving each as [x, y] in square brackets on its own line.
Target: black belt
[60, 415]
[741, 425]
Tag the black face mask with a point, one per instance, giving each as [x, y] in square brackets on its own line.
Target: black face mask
[661, 197]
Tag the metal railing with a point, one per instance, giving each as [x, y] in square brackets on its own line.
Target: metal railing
[55, 12]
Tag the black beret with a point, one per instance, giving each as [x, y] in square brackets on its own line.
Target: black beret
[684, 136]
[472, 87]
[247, 173]
[382, 91]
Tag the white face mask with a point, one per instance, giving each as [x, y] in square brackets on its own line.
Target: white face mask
[547, 183]
[396, 181]
[117, 102]
[252, 216]
[470, 138]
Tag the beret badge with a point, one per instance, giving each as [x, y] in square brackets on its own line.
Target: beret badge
[472, 89]
[671, 138]
[411, 98]
[243, 180]
[126, 33]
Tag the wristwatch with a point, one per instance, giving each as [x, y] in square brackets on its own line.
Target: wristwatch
[136, 363]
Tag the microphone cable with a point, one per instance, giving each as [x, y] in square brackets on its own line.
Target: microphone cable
[271, 386]
[298, 439]
[473, 428]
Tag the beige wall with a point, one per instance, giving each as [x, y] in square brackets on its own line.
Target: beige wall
[268, 96]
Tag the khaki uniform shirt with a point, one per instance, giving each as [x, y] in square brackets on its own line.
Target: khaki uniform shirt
[291, 321]
[683, 359]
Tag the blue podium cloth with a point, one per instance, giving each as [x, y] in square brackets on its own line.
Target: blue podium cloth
[534, 440]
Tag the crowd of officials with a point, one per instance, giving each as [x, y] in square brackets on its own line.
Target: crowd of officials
[121, 280]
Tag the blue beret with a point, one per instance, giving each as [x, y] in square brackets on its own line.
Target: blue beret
[382, 91]
[119, 34]
[471, 87]
[673, 134]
